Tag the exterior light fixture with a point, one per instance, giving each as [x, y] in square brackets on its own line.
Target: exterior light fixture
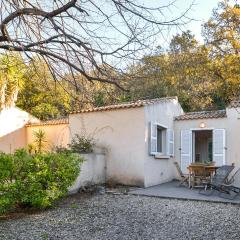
[202, 125]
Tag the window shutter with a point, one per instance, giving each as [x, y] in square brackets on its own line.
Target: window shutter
[219, 146]
[170, 142]
[186, 149]
[153, 139]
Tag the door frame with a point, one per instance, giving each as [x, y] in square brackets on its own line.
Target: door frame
[193, 139]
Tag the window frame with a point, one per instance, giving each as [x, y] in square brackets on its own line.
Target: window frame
[154, 136]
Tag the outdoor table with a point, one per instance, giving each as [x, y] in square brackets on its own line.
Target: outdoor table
[201, 171]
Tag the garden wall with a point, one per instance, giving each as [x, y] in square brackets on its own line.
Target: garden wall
[93, 171]
[56, 134]
[12, 141]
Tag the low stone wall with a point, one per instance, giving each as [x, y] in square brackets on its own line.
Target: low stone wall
[93, 171]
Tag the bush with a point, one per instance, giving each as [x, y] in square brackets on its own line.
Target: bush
[35, 180]
[82, 144]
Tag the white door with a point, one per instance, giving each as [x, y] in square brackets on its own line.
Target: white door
[219, 144]
[186, 149]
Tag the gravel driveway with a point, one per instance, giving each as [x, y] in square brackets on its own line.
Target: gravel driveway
[122, 217]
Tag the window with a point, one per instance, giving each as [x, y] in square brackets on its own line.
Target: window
[160, 135]
[161, 140]
[210, 150]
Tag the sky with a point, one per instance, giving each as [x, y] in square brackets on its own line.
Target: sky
[202, 11]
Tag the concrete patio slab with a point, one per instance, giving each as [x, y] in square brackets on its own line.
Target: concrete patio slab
[172, 190]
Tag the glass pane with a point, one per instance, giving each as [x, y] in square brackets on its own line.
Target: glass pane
[159, 140]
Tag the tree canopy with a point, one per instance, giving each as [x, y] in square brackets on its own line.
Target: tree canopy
[85, 37]
[204, 75]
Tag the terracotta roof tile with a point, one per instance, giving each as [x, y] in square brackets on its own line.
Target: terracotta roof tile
[202, 115]
[135, 104]
[49, 122]
[234, 104]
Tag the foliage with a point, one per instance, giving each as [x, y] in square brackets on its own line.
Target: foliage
[203, 76]
[103, 34]
[221, 34]
[35, 180]
[12, 76]
[43, 97]
[82, 144]
[39, 139]
[31, 148]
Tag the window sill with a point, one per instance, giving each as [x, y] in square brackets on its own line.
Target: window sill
[159, 156]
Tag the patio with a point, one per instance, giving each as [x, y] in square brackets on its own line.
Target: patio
[172, 190]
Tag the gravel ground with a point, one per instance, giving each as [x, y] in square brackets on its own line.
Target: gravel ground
[108, 216]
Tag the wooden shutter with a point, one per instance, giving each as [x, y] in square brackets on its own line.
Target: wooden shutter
[186, 149]
[219, 146]
[170, 142]
[153, 139]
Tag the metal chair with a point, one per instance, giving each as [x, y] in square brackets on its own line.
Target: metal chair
[218, 180]
[232, 189]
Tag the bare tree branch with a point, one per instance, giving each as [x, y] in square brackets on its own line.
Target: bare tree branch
[85, 37]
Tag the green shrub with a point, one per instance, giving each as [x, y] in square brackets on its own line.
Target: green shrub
[82, 144]
[36, 180]
[39, 140]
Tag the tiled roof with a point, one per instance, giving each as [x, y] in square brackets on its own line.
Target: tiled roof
[135, 104]
[50, 122]
[235, 104]
[202, 115]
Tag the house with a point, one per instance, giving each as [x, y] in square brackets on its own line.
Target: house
[138, 137]
[143, 139]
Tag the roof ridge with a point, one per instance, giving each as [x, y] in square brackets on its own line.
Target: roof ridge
[136, 103]
[202, 115]
[55, 121]
[206, 111]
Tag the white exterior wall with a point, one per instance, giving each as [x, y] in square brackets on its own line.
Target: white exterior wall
[14, 140]
[12, 130]
[93, 171]
[158, 171]
[121, 133]
[233, 136]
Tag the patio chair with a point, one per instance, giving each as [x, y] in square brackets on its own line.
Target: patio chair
[232, 189]
[218, 180]
[184, 177]
[199, 175]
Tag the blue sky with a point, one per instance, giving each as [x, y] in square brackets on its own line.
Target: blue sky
[202, 11]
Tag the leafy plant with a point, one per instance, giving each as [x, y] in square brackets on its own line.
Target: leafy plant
[39, 139]
[82, 144]
[36, 180]
[31, 148]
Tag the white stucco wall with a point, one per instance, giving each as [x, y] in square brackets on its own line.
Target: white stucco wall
[12, 130]
[93, 171]
[12, 119]
[14, 140]
[158, 171]
[233, 136]
[121, 133]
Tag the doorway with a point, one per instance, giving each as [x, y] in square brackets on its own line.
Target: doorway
[202, 146]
